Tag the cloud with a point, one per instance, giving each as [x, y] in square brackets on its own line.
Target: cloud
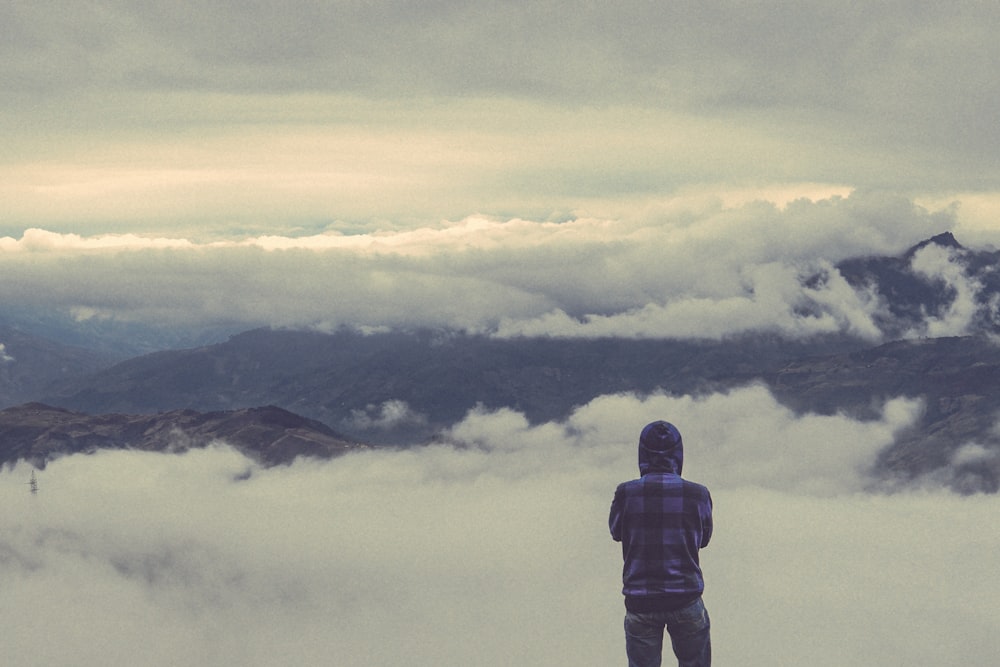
[694, 268]
[492, 549]
[971, 454]
[392, 414]
[774, 299]
[4, 357]
[938, 265]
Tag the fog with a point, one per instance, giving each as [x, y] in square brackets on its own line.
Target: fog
[493, 549]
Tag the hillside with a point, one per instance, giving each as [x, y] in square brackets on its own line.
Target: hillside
[956, 378]
[39, 433]
[30, 364]
[338, 378]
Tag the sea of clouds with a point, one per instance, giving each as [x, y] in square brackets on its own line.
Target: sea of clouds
[493, 549]
[684, 268]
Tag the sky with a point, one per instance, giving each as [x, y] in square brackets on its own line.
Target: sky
[494, 549]
[479, 165]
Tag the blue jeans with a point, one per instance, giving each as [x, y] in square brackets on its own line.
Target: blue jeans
[689, 630]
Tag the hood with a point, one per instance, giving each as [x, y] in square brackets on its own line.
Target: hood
[661, 449]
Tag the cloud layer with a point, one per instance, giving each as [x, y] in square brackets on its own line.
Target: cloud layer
[695, 270]
[492, 550]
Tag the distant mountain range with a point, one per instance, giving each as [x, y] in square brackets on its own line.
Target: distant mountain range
[30, 364]
[403, 387]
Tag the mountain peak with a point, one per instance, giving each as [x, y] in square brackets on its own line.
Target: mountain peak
[944, 239]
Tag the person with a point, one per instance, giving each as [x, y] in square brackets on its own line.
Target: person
[662, 521]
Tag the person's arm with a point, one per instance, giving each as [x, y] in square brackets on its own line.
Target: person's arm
[615, 518]
[706, 521]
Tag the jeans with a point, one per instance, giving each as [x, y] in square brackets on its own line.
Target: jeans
[689, 630]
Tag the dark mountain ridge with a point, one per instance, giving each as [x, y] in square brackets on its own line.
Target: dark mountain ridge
[336, 377]
[39, 433]
[912, 296]
[956, 378]
[433, 378]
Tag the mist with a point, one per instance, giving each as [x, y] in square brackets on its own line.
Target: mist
[492, 548]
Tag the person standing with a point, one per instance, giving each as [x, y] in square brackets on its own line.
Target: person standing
[663, 521]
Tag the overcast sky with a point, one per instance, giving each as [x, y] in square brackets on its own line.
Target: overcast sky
[228, 118]
[496, 553]
[511, 166]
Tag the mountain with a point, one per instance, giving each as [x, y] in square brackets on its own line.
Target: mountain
[956, 378]
[403, 387]
[344, 378]
[39, 433]
[913, 293]
[108, 337]
[30, 364]
[334, 378]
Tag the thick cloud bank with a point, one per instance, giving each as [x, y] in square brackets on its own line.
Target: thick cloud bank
[493, 550]
[692, 269]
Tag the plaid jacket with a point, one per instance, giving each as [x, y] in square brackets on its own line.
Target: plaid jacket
[662, 521]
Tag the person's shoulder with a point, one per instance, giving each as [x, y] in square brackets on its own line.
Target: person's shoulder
[630, 484]
[695, 488]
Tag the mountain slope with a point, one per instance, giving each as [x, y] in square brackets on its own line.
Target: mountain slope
[30, 364]
[38, 433]
[336, 377]
[957, 379]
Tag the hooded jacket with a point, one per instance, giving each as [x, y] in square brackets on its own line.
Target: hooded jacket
[662, 521]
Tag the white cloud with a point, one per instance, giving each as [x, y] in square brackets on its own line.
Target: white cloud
[493, 551]
[773, 299]
[689, 269]
[972, 453]
[4, 357]
[938, 264]
[391, 414]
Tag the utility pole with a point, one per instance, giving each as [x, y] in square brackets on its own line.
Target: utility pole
[33, 483]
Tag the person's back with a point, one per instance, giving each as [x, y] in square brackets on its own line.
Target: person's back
[662, 521]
